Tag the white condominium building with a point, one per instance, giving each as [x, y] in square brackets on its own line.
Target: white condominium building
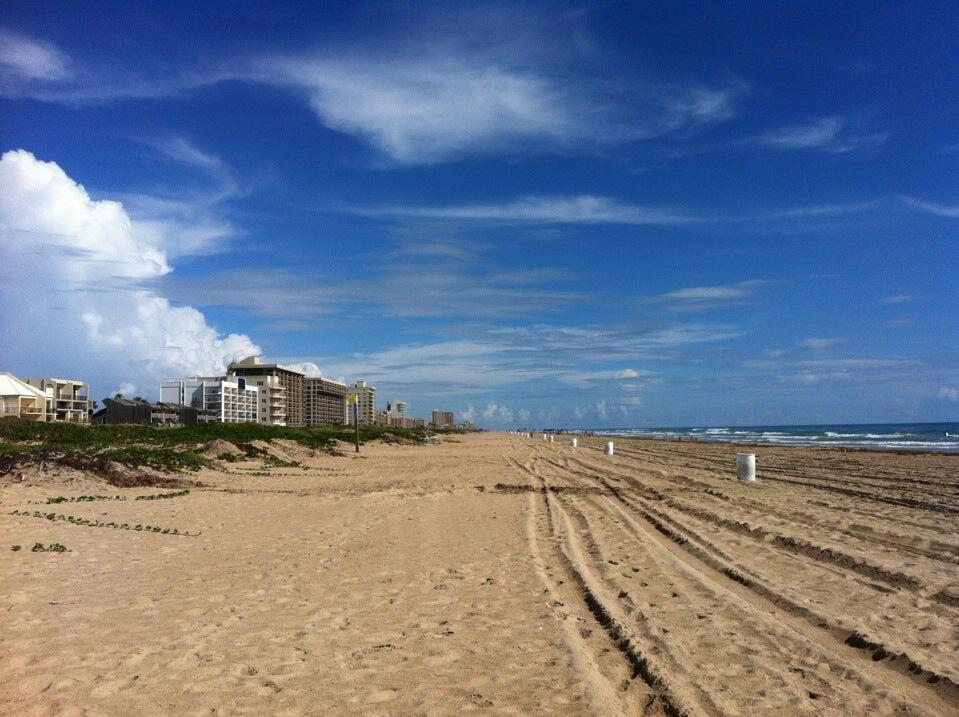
[44, 399]
[366, 403]
[71, 399]
[231, 398]
[397, 409]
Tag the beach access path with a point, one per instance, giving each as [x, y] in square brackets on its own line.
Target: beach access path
[498, 574]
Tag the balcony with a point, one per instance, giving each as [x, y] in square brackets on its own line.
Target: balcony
[32, 410]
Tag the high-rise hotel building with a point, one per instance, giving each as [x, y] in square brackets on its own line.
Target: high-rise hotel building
[281, 390]
[324, 402]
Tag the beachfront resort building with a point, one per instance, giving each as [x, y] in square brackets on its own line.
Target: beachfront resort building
[45, 399]
[365, 401]
[71, 399]
[281, 390]
[231, 399]
[443, 419]
[324, 402]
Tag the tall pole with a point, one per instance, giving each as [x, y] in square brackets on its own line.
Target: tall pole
[356, 424]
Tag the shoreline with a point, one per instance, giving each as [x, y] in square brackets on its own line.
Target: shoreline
[750, 444]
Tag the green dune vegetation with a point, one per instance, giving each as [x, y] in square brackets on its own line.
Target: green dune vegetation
[169, 449]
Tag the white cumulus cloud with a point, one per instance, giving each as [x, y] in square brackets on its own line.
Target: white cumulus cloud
[306, 367]
[76, 293]
[498, 413]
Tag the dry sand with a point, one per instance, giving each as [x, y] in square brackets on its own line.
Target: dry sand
[499, 575]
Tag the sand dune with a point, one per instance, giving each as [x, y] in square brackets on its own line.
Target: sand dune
[499, 575]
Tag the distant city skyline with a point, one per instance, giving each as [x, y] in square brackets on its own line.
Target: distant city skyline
[531, 215]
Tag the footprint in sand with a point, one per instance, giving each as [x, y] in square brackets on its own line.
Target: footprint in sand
[382, 695]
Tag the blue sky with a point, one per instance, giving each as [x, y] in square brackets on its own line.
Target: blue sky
[573, 215]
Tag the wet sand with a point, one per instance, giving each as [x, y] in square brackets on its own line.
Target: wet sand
[495, 574]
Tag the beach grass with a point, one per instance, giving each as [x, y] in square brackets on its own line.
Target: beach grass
[170, 449]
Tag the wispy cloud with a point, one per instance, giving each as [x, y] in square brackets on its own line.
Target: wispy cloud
[826, 134]
[949, 393]
[818, 344]
[444, 84]
[441, 85]
[703, 298]
[711, 293]
[820, 210]
[582, 209]
[487, 360]
[588, 379]
[901, 299]
[24, 60]
[593, 209]
[457, 282]
[185, 152]
[424, 110]
[845, 370]
[940, 210]
[833, 363]
[190, 211]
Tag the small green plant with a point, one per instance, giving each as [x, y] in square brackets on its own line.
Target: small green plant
[14, 548]
[74, 520]
[161, 496]
[82, 498]
[272, 462]
[51, 548]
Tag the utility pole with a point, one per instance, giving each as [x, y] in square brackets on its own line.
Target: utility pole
[355, 400]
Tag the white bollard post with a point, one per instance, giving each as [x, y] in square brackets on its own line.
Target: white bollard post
[609, 448]
[551, 437]
[574, 442]
[545, 438]
[746, 466]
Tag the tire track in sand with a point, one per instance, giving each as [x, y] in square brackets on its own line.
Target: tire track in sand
[837, 647]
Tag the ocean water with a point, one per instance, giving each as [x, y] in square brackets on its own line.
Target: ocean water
[938, 437]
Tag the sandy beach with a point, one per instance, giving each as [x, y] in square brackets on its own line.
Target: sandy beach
[493, 574]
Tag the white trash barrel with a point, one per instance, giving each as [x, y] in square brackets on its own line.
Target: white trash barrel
[746, 466]
[609, 448]
[574, 442]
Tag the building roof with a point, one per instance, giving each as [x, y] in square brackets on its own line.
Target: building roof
[10, 385]
[158, 406]
[128, 401]
[327, 380]
[58, 380]
[255, 362]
